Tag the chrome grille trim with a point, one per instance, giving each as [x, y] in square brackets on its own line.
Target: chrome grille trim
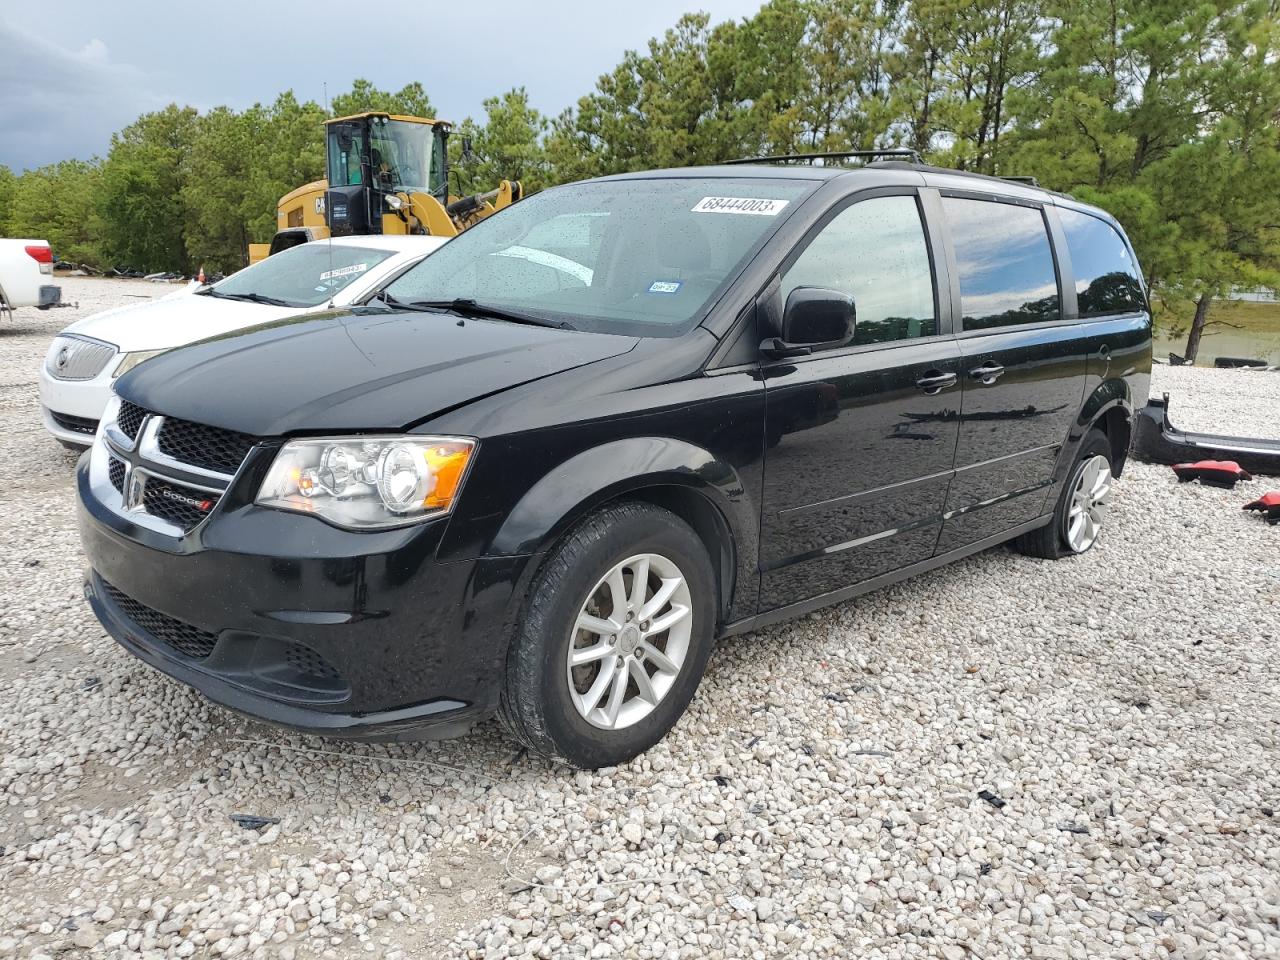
[77, 358]
[121, 466]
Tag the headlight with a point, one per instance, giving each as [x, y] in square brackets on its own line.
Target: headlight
[365, 483]
[131, 360]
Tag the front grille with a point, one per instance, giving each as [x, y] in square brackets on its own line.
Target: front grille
[71, 358]
[129, 419]
[180, 505]
[306, 661]
[83, 425]
[203, 446]
[115, 470]
[183, 637]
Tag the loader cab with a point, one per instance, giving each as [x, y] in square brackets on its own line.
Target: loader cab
[373, 156]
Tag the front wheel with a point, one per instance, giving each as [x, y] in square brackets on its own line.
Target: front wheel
[1081, 508]
[617, 632]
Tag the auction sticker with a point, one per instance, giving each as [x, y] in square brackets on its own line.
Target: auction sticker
[344, 271]
[751, 205]
[665, 286]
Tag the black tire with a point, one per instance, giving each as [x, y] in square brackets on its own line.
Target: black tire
[536, 705]
[1050, 541]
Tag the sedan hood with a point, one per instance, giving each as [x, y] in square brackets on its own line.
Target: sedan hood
[336, 372]
[174, 320]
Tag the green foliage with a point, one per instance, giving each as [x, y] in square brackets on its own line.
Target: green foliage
[411, 100]
[8, 184]
[140, 196]
[507, 146]
[58, 203]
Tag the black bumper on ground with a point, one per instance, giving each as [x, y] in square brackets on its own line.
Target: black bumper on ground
[1157, 440]
[289, 620]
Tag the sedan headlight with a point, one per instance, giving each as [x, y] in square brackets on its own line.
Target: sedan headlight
[131, 360]
[366, 482]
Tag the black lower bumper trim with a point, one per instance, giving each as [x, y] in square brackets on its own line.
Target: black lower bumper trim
[1157, 440]
[437, 719]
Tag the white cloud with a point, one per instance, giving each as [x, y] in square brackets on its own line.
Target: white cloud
[95, 51]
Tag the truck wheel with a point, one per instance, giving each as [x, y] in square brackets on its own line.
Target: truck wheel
[1082, 505]
[615, 638]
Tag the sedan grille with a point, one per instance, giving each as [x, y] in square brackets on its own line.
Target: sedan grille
[83, 425]
[71, 358]
[211, 448]
[186, 639]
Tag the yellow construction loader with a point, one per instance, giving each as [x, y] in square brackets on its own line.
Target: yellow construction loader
[386, 174]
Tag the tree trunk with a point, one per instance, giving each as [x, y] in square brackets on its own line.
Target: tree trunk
[1197, 327]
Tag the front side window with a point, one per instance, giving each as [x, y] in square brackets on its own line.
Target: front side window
[302, 276]
[1105, 274]
[637, 257]
[875, 251]
[1007, 275]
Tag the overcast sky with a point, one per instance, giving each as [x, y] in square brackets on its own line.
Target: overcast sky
[73, 72]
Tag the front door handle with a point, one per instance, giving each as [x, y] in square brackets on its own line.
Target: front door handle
[988, 373]
[934, 381]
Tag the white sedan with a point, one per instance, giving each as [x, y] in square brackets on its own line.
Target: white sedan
[86, 358]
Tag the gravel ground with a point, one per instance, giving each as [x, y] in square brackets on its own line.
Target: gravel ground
[824, 796]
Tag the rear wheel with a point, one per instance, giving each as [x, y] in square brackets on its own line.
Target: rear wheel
[616, 636]
[1082, 506]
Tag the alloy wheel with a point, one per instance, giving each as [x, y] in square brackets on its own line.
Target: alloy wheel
[1090, 497]
[630, 641]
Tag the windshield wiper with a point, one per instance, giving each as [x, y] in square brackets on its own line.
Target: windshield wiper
[248, 298]
[471, 308]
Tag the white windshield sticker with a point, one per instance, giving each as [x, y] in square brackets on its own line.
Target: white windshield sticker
[344, 271]
[752, 205]
[665, 286]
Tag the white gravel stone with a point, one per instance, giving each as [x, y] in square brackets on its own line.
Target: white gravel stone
[818, 800]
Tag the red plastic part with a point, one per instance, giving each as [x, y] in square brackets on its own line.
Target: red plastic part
[1268, 501]
[1212, 471]
[39, 252]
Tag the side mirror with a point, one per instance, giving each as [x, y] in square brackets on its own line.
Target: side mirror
[813, 319]
[467, 155]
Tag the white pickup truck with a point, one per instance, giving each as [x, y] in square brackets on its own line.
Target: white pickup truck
[26, 267]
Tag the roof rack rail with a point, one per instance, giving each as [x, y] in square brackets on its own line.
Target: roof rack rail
[1032, 181]
[892, 153]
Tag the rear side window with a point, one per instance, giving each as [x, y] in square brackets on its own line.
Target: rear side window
[1106, 276]
[1006, 266]
[875, 251]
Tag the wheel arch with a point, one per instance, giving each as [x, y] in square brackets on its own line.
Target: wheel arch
[704, 491]
[1110, 409]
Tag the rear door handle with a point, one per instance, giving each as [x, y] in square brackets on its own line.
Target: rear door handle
[934, 381]
[988, 373]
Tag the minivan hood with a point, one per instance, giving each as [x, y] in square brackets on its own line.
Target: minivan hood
[354, 372]
[174, 320]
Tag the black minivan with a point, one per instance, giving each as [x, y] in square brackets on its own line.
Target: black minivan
[553, 462]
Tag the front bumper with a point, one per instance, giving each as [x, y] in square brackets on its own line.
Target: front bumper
[68, 404]
[304, 625]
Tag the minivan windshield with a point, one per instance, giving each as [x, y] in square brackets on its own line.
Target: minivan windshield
[302, 276]
[637, 257]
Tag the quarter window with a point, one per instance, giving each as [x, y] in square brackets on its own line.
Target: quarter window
[875, 251]
[1005, 262]
[1106, 277]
